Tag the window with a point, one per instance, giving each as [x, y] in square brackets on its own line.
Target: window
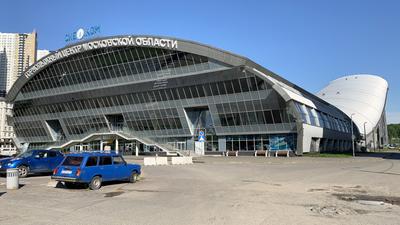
[311, 116]
[42, 154]
[118, 160]
[105, 160]
[268, 117]
[277, 116]
[72, 161]
[51, 154]
[300, 110]
[91, 161]
[320, 120]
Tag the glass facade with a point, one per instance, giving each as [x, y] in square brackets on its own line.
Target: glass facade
[161, 96]
[262, 142]
[317, 118]
[110, 66]
[151, 107]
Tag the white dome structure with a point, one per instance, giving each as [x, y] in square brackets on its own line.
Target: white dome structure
[362, 97]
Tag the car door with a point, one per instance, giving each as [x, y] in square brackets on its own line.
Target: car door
[106, 168]
[120, 169]
[91, 168]
[53, 159]
[38, 161]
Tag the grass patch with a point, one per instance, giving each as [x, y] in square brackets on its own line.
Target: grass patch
[329, 155]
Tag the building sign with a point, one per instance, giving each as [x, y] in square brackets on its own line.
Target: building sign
[202, 137]
[103, 43]
[82, 33]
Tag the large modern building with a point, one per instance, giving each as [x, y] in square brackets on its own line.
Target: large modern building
[363, 98]
[17, 53]
[159, 93]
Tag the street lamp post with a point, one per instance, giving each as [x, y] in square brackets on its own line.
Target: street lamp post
[352, 135]
[365, 137]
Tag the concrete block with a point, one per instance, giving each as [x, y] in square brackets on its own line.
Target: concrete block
[149, 161]
[176, 160]
[181, 160]
[189, 160]
[161, 161]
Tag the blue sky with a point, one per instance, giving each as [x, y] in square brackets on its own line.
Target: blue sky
[309, 42]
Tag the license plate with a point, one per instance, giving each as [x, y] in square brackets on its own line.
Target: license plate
[66, 172]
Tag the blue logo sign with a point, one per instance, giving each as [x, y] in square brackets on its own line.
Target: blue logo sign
[202, 137]
[82, 33]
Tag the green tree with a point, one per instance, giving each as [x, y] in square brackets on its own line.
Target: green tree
[394, 133]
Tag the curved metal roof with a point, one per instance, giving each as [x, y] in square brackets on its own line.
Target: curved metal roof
[223, 56]
[76, 48]
[363, 95]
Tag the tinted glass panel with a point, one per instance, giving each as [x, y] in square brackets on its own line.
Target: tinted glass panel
[51, 154]
[105, 160]
[118, 160]
[72, 161]
[92, 161]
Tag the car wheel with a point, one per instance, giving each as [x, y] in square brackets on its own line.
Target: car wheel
[95, 183]
[23, 171]
[134, 177]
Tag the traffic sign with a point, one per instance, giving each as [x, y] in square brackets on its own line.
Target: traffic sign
[202, 137]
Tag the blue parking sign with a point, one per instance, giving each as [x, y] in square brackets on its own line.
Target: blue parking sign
[201, 138]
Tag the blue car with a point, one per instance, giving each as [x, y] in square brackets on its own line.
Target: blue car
[33, 161]
[93, 168]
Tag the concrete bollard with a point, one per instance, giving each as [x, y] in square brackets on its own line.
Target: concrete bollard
[149, 161]
[181, 160]
[155, 161]
[12, 179]
[161, 161]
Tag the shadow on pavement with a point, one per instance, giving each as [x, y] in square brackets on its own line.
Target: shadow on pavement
[2, 193]
[85, 186]
[30, 175]
[383, 155]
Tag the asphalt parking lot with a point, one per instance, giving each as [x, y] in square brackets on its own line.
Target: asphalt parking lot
[220, 190]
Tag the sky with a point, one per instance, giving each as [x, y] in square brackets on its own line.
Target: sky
[308, 42]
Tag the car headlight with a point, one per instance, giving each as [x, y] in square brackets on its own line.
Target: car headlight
[9, 164]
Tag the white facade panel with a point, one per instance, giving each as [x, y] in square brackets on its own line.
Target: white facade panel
[362, 95]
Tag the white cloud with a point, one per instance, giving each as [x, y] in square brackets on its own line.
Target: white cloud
[392, 117]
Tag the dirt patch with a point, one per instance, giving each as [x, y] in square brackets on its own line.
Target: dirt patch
[113, 194]
[149, 191]
[261, 182]
[332, 211]
[354, 189]
[317, 189]
[369, 199]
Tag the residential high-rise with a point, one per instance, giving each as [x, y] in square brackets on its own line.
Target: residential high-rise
[17, 52]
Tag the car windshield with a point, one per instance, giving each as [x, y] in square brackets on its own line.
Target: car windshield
[73, 161]
[25, 154]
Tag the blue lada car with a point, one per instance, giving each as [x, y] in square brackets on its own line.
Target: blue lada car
[33, 161]
[93, 168]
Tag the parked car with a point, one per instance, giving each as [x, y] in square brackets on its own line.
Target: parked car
[93, 168]
[33, 161]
